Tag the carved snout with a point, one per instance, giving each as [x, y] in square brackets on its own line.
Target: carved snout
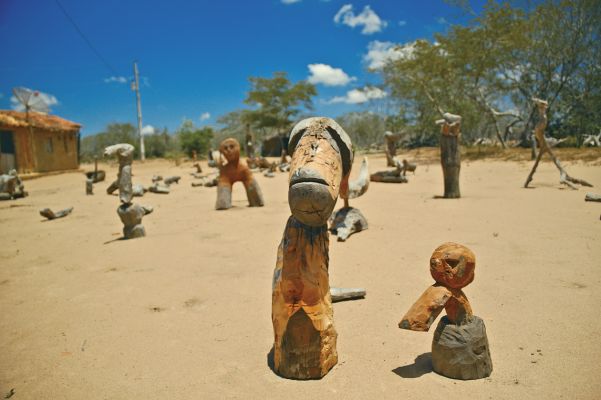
[310, 197]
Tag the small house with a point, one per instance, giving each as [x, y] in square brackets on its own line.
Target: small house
[35, 142]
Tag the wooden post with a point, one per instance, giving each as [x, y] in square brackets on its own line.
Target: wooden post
[450, 157]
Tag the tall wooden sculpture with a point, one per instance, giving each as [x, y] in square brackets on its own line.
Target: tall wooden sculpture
[130, 213]
[302, 315]
[232, 172]
[539, 133]
[460, 347]
[449, 153]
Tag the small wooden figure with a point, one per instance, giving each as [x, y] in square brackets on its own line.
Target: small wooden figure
[232, 172]
[302, 314]
[460, 347]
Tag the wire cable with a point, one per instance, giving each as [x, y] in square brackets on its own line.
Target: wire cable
[90, 45]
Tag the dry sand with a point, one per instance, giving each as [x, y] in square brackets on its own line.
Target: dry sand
[185, 312]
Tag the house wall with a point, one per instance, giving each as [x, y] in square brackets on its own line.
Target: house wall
[55, 151]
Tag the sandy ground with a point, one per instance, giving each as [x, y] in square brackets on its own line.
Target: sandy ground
[185, 312]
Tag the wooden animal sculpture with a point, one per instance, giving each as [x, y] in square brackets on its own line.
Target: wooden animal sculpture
[232, 172]
[460, 347]
[302, 315]
[390, 176]
[408, 167]
[390, 143]
[131, 214]
[349, 220]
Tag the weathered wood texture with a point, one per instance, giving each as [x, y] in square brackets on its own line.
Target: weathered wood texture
[390, 143]
[346, 221]
[343, 294]
[450, 158]
[302, 314]
[460, 347]
[592, 197]
[49, 214]
[391, 176]
[131, 216]
[461, 351]
[539, 133]
[232, 172]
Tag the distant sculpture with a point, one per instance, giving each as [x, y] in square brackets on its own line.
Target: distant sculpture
[460, 347]
[408, 167]
[450, 158]
[11, 186]
[130, 214]
[172, 179]
[49, 214]
[395, 176]
[539, 133]
[232, 172]
[302, 314]
[390, 143]
[89, 186]
[349, 220]
[249, 143]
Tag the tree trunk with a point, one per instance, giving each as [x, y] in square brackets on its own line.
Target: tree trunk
[451, 164]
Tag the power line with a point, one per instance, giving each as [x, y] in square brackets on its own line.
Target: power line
[90, 45]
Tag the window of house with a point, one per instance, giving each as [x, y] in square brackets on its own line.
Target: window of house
[49, 147]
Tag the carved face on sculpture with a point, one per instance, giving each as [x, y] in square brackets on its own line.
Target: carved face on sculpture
[453, 265]
[321, 161]
[230, 148]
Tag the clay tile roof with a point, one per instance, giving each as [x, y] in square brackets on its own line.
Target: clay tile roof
[13, 119]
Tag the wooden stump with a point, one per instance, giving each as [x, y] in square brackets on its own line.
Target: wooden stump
[131, 216]
[461, 351]
[450, 160]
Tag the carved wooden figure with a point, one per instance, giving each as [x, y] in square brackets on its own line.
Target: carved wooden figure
[349, 220]
[131, 214]
[302, 315]
[450, 159]
[539, 132]
[390, 142]
[460, 347]
[232, 172]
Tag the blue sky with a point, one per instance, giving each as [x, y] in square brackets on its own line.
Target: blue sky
[195, 57]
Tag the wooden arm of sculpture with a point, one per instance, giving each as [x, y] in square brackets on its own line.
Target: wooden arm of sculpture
[425, 310]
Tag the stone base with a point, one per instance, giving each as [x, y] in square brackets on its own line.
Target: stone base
[461, 352]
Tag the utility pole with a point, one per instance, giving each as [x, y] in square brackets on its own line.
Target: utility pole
[137, 89]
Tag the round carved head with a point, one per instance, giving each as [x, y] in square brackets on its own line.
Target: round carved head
[453, 265]
[322, 156]
[230, 148]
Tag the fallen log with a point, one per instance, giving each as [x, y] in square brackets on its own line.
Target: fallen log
[342, 294]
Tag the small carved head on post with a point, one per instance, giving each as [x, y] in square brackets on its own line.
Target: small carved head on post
[450, 124]
[452, 267]
[322, 156]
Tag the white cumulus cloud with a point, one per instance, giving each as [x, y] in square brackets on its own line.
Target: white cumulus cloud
[368, 19]
[37, 98]
[358, 96]
[204, 116]
[117, 79]
[290, 1]
[147, 130]
[328, 75]
[378, 53]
